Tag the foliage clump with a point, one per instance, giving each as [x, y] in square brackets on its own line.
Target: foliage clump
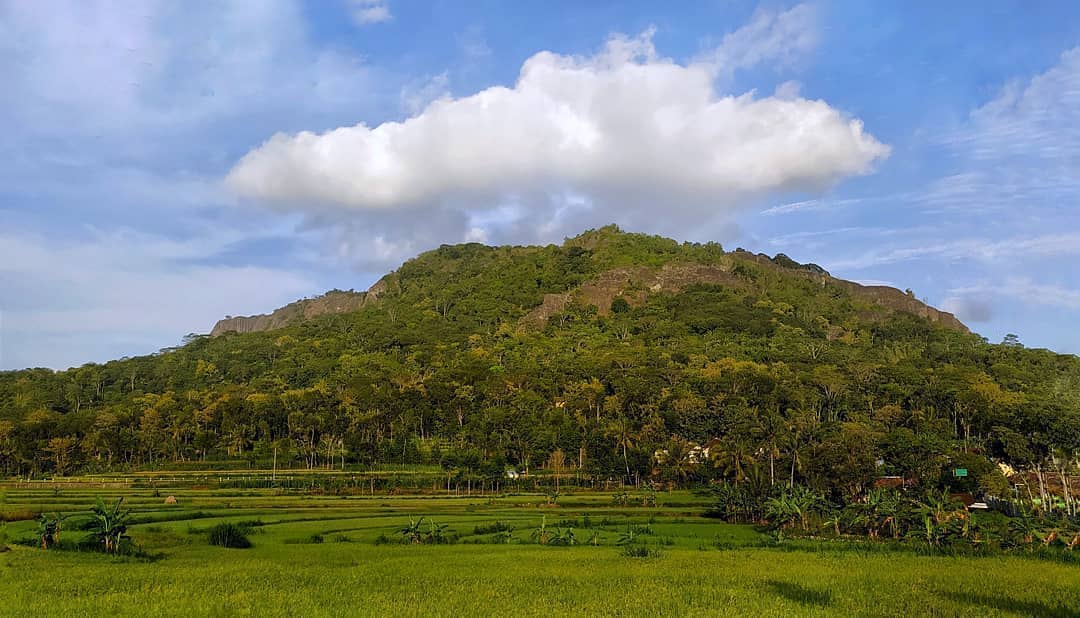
[229, 535]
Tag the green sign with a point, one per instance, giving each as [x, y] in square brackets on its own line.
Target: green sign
[960, 472]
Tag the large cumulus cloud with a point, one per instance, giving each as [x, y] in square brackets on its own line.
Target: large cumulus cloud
[619, 134]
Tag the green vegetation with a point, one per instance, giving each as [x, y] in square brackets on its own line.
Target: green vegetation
[531, 420]
[108, 525]
[230, 535]
[776, 370]
[625, 560]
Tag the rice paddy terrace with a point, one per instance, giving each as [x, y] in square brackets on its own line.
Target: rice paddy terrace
[359, 551]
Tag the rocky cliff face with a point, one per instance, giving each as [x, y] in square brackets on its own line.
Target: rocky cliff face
[332, 302]
[635, 283]
[893, 298]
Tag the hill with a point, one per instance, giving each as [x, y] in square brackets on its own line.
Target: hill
[334, 301]
[664, 267]
[611, 356]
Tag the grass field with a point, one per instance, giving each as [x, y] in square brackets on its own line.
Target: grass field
[318, 555]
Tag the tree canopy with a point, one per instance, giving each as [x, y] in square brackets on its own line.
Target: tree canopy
[765, 369]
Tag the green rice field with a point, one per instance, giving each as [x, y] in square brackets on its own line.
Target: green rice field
[334, 555]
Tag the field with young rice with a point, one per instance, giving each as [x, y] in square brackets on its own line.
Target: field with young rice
[315, 555]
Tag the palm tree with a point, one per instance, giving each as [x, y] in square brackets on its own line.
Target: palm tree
[109, 524]
[733, 455]
[622, 431]
[678, 461]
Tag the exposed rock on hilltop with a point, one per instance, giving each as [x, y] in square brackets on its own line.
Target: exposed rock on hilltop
[335, 301]
[883, 295]
[596, 267]
[634, 284]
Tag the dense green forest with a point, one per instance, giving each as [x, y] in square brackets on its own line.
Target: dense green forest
[758, 371]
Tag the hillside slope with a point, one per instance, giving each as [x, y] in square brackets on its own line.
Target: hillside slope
[670, 271]
[334, 301]
[593, 355]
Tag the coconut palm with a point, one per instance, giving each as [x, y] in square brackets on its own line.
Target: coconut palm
[733, 456]
[622, 431]
[678, 463]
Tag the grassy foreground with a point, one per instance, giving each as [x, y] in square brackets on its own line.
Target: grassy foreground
[317, 555]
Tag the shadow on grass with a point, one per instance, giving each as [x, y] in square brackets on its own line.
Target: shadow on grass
[1005, 604]
[801, 594]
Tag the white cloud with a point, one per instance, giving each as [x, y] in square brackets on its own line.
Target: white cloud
[976, 249]
[1022, 289]
[121, 291]
[782, 38]
[816, 204]
[369, 11]
[417, 95]
[120, 120]
[1039, 118]
[473, 44]
[1020, 150]
[115, 70]
[626, 131]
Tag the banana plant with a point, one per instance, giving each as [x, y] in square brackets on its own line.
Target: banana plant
[834, 522]
[49, 527]
[109, 524]
[412, 532]
[541, 535]
[1024, 528]
[563, 537]
[436, 532]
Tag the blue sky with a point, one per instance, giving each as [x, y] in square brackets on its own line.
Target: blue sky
[165, 164]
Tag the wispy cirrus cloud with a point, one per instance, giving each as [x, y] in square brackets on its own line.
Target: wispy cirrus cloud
[120, 119]
[977, 302]
[974, 249]
[131, 289]
[366, 12]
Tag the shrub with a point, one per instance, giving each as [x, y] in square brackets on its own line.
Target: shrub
[640, 551]
[229, 535]
[492, 528]
[435, 534]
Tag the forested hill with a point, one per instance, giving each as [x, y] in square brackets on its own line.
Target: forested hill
[596, 356]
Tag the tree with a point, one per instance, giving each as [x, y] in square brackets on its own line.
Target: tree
[622, 431]
[61, 449]
[677, 461]
[619, 305]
